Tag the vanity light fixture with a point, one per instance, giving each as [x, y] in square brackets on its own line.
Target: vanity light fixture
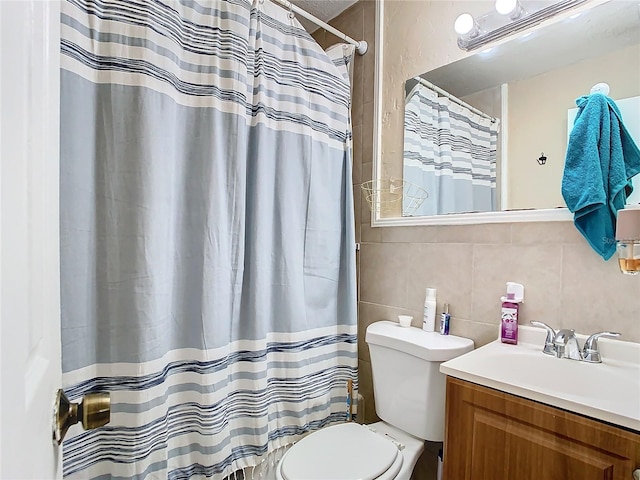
[513, 8]
[509, 17]
[466, 26]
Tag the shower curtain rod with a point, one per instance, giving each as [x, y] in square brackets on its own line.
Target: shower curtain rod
[442, 92]
[361, 46]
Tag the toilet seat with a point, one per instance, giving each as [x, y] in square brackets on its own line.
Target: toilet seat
[347, 451]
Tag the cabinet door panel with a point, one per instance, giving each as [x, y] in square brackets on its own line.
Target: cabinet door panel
[497, 436]
[520, 452]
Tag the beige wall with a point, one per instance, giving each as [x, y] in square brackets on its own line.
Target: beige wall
[567, 284]
[538, 122]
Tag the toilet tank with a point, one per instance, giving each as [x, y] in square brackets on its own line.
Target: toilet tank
[408, 387]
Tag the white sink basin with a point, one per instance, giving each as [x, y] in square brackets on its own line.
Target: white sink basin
[608, 391]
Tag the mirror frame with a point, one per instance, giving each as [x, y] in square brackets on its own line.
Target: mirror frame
[503, 216]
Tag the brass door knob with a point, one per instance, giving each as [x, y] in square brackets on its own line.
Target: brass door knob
[93, 411]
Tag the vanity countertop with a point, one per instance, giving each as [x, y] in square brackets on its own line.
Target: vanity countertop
[608, 391]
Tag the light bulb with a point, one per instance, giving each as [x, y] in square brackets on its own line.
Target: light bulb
[464, 24]
[505, 7]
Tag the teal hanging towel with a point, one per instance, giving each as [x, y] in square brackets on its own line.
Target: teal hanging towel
[601, 160]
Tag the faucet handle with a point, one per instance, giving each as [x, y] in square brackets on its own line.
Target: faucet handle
[549, 347]
[590, 351]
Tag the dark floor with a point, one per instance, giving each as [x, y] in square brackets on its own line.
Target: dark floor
[427, 466]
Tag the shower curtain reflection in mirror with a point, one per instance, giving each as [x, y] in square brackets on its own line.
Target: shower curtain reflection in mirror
[449, 150]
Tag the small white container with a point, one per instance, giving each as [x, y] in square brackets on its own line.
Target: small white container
[405, 320]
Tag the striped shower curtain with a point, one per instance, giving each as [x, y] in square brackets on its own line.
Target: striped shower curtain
[207, 245]
[342, 54]
[449, 151]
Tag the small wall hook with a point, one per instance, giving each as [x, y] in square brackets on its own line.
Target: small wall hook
[602, 88]
[542, 159]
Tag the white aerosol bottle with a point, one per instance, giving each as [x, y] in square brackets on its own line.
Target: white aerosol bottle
[429, 317]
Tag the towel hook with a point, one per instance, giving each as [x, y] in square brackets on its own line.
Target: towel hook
[542, 159]
[602, 88]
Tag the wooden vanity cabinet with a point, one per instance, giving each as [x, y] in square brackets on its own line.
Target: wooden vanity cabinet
[492, 435]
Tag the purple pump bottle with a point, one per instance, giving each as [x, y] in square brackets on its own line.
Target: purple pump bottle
[510, 310]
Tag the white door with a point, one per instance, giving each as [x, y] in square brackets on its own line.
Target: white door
[29, 241]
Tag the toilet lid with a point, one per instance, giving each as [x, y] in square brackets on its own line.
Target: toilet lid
[347, 451]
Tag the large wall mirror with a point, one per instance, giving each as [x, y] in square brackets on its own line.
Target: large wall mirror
[515, 99]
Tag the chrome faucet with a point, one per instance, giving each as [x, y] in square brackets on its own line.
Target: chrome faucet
[567, 345]
[564, 344]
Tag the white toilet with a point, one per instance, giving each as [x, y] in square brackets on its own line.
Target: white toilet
[410, 398]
